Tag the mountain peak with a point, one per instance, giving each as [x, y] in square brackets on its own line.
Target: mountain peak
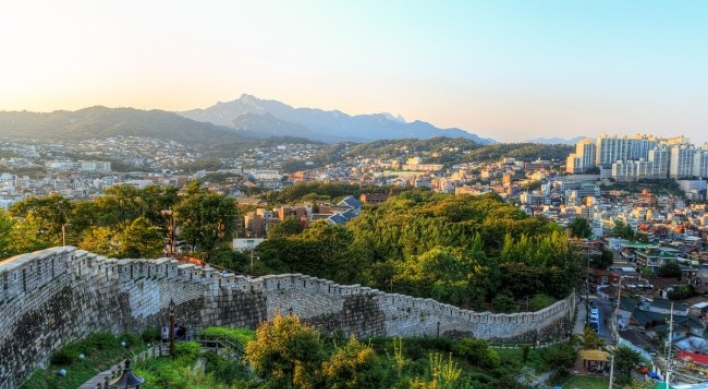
[390, 116]
[324, 125]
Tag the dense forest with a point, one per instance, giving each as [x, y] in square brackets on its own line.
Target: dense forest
[464, 250]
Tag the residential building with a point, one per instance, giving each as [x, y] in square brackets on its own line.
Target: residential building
[681, 164]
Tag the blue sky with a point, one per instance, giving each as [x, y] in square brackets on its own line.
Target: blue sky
[510, 70]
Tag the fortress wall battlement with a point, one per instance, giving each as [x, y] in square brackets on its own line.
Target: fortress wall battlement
[55, 296]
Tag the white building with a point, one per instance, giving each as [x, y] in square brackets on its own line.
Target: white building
[681, 164]
[631, 170]
[659, 157]
[583, 158]
[246, 244]
[700, 163]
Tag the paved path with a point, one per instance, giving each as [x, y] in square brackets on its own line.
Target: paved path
[100, 378]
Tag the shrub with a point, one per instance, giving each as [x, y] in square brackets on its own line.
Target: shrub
[187, 350]
[540, 301]
[151, 334]
[102, 341]
[61, 357]
[477, 353]
[244, 335]
[504, 303]
[130, 339]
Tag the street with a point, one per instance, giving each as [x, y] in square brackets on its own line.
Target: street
[605, 307]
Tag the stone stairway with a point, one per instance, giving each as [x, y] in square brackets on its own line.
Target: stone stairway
[100, 380]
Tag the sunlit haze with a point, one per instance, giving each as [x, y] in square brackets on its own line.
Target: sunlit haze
[509, 70]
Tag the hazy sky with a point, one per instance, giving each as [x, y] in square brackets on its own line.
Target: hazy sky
[510, 70]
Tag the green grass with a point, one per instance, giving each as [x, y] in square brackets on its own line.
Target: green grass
[513, 356]
[180, 372]
[586, 382]
[101, 351]
[244, 335]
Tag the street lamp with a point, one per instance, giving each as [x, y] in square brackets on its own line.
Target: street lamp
[172, 328]
[127, 379]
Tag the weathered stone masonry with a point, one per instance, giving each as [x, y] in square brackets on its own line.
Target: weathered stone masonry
[59, 295]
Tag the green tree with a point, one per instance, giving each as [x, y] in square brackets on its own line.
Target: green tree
[205, 219]
[591, 340]
[623, 231]
[86, 214]
[477, 353]
[26, 236]
[606, 259]
[580, 228]
[682, 292]
[540, 301]
[334, 255]
[286, 353]
[560, 357]
[625, 361]
[438, 273]
[234, 260]
[671, 269]
[100, 240]
[156, 203]
[119, 206]
[141, 240]
[6, 226]
[51, 214]
[354, 366]
[504, 303]
[288, 227]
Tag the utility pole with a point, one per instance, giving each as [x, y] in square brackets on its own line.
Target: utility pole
[614, 331]
[668, 351]
[63, 233]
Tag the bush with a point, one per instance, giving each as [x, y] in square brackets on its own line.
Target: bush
[244, 335]
[226, 371]
[504, 303]
[477, 353]
[540, 301]
[151, 334]
[130, 339]
[62, 357]
[560, 357]
[671, 269]
[187, 350]
[102, 341]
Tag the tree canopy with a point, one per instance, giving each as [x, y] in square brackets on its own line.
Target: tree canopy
[124, 222]
[462, 250]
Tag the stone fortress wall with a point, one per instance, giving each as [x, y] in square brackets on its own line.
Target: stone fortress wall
[55, 296]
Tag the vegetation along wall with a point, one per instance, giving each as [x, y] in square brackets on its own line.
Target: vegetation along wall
[52, 297]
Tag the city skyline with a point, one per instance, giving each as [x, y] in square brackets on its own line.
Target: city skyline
[510, 70]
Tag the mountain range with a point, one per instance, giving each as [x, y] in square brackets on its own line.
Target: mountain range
[222, 125]
[101, 122]
[249, 113]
